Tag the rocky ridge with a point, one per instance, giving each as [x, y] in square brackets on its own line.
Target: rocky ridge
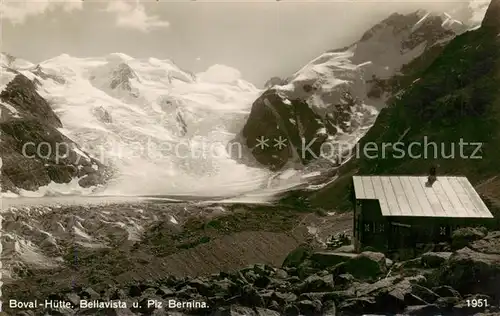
[116, 77]
[34, 152]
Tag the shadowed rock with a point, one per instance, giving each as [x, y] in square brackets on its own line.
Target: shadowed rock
[33, 151]
[492, 17]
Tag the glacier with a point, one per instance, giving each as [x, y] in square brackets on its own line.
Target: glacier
[163, 130]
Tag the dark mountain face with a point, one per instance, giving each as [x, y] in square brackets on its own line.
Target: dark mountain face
[455, 101]
[21, 94]
[115, 78]
[492, 17]
[278, 119]
[38, 71]
[120, 77]
[33, 151]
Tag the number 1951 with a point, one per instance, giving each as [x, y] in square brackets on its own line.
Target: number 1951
[480, 302]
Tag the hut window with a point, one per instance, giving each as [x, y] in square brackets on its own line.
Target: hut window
[367, 227]
[381, 228]
[442, 230]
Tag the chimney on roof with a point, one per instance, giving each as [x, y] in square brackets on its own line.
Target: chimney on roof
[432, 176]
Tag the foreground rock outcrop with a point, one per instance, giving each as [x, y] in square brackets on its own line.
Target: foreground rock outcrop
[232, 260]
[492, 17]
[33, 150]
[311, 283]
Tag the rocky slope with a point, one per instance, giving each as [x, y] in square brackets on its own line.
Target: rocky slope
[460, 280]
[456, 99]
[63, 247]
[334, 99]
[33, 151]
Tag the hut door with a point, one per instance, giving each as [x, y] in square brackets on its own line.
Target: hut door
[401, 236]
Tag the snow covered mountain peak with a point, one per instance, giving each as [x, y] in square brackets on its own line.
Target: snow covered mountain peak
[160, 128]
[118, 57]
[381, 52]
[9, 61]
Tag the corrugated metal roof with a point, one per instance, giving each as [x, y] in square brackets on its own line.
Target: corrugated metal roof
[410, 196]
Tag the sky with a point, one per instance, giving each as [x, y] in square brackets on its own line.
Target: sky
[260, 38]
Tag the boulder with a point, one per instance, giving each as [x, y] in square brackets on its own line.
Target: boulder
[489, 244]
[374, 289]
[283, 298]
[447, 303]
[263, 269]
[201, 286]
[402, 294]
[469, 271]
[393, 294]
[446, 291]
[343, 280]
[251, 297]
[415, 263]
[291, 310]
[367, 265]
[325, 259]
[462, 237]
[224, 287]
[315, 283]
[280, 274]
[149, 292]
[306, 268]
[164, 292]
[358, 306]
[329, 309]
[346, 249]
[424, 293]
[434, 259]
[262, 281]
